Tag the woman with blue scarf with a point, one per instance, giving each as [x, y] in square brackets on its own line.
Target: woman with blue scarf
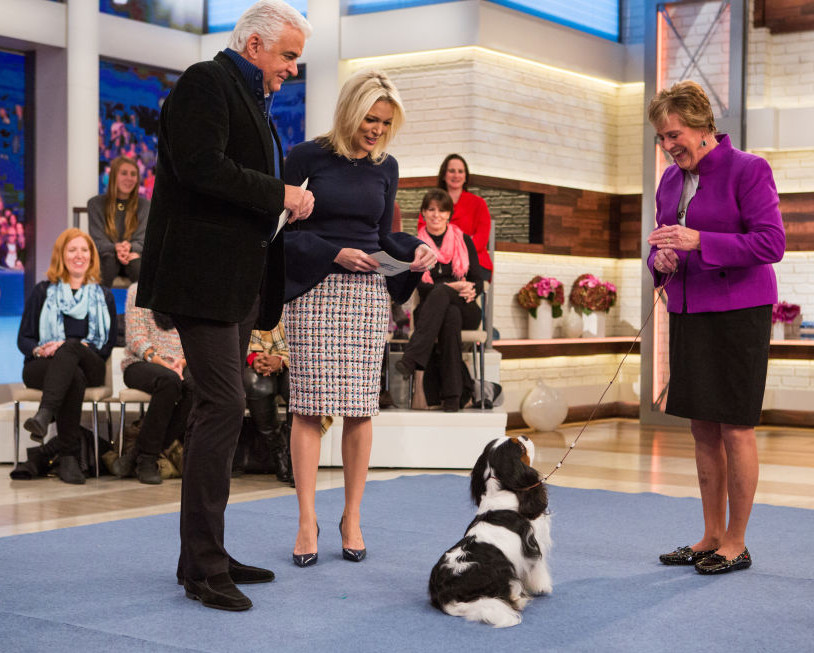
[67, 332]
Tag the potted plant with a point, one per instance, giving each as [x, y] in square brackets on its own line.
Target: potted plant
[532, 295]
[593, 298]
[784, 318]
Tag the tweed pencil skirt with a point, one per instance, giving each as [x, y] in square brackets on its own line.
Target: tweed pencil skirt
[336, 334]
[718, 365]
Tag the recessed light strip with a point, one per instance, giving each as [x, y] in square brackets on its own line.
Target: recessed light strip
[481, 50]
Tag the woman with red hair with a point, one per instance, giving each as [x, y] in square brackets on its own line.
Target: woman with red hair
[66, 334]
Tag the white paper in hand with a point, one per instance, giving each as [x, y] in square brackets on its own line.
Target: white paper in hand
[283, 219]
[389, 266]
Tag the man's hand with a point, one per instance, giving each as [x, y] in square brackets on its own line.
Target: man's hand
[299, 201]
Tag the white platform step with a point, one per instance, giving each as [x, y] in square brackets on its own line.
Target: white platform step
[422, 439]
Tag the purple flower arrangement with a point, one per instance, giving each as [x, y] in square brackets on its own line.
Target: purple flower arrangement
[785, 312]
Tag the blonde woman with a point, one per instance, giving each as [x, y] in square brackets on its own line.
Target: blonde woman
[117, 221]
[336, 320]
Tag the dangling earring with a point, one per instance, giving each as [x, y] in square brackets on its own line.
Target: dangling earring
[703, 143]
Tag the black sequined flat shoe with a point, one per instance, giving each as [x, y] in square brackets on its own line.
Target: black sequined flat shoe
[353, 555]
[717, 564]
[683, 556]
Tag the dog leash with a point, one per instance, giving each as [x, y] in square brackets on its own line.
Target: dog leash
[604, 392]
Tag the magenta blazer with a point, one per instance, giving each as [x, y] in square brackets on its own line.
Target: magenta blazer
[736, 211]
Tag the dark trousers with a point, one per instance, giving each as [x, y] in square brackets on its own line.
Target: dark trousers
[261, 397]
[171, 401]
[63, 379]
[216, 354]
[110, 268]
[441, 316]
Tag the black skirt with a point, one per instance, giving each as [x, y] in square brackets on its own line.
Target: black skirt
[718, 365]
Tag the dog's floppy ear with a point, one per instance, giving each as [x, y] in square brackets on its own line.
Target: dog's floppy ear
[533, 502]
[477, 483]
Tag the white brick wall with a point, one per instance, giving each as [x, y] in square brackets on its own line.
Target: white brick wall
[580, 379]
[780, 74]
[795, 281]
[789, 384]
[517, 119]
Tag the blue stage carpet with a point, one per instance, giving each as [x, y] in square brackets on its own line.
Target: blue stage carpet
[111, 587]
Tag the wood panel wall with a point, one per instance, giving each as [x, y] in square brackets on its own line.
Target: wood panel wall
[798, 218]
[784, 16]
[589, 223]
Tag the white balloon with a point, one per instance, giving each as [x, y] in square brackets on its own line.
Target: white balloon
[544, 408]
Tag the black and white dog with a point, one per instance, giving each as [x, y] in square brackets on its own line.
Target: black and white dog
[501, 562]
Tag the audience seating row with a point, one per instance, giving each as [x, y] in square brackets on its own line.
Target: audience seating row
[95, 395]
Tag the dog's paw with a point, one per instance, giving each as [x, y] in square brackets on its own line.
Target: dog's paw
[539, 581]
[507, 620]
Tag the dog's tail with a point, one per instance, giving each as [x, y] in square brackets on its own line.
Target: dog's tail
[494, 612]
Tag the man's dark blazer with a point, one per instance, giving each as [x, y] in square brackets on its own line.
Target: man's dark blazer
[215, 203]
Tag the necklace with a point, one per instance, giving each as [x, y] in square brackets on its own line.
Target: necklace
[120, 206]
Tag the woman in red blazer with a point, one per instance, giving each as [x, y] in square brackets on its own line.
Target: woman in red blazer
[470, 213]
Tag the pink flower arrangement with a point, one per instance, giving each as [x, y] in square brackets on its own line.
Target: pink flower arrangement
[588, 294]
[785, 312]
[538, 289]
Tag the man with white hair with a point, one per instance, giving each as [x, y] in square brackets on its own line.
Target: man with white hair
[211, 262]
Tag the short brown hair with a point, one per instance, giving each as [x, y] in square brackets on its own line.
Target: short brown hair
[686, 100]
[440, 196]
[442, 171]
[57, 271]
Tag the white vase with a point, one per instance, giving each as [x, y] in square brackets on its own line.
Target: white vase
[779, 331]
[571, 324]
[544, 408]
[593, 324]
[542, 326]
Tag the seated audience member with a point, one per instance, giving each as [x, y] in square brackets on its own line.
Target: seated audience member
[11, 254]
[154, 362]
[117, 221]
[265, 378]
[67, 332]
[469, 212]
[446, 299]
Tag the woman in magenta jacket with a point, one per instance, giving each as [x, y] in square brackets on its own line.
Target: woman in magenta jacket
[718, 232]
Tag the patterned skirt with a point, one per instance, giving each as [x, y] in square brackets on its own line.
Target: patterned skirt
[336, 334]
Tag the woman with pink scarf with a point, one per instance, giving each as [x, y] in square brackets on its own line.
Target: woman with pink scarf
[447, 299]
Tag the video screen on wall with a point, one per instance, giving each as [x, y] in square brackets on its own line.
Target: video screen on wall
[13, 234]
[186, 15]
[15, 228]
[130, 99]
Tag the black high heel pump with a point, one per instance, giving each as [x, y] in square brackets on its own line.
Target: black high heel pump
[354, 555]
[306, 559]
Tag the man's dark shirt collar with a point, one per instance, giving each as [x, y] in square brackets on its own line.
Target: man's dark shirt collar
[253, 76]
